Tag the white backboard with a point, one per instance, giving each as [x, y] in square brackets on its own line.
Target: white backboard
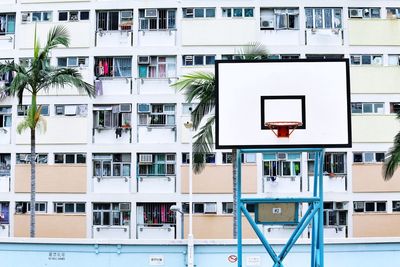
[313, 92]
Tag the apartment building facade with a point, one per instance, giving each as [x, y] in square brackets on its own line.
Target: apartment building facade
[111, 167]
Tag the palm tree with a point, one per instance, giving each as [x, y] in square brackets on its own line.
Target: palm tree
[393, 159]
[36, 77]
[200, 86]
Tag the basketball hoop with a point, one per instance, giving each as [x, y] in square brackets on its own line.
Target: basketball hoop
[283, 128]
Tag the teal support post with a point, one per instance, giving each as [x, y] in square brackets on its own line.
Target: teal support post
[239, 206]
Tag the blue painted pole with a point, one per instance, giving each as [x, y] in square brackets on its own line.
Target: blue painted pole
[238, 206]
[321, 212]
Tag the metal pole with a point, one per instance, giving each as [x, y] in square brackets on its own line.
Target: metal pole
[239, 205]
[190, 255]
[182, 225]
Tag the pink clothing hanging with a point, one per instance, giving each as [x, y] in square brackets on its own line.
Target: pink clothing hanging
[101, 69]
[163, 214]
[106, 72]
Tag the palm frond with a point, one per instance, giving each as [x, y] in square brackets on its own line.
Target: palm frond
[57, 36]
[198, 86]
[252, 51]
[59, 78]
[392, 160]
[23, 125]
[203, 144]
[19, 83]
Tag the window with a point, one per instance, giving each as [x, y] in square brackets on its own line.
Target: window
[198, 60]
[69, 158]
[396, 206]
[36, 16]
[394, 60]
[69, 207]
[335, 214]
[368, 157]
[157, 19]
[4, 213]
[156, 164]
[25, 207]
[245, 158]
[73, 15]
[71, 110]
[335, 163]
[113, 67]
[227, 207]
[7, 24]
[367, 108]
[5, 165]
[185, 158]
[111, 165]
[25, 158]
[5, 116]
[226, 157]
[279, 19]
[366, 59]
[323, 18]
[199, 12]
[111, 214]
[22, 110]
[282, 56]
[114, 20]
[155, 214]
[238, 12]
[281, 164]
[73, 62]
[364, 12]
[156, 115]
[157, 67]
[369, 206]
[111, 116]
[324, 56]
[201, 208]
[394, 107]
[392, 12]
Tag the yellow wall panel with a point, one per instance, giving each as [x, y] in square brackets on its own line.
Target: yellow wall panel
[374, 31]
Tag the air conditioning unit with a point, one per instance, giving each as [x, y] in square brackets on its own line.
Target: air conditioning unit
[144, 108]
[356, 13]
[210, 207]
[124, 206]
[126, 14]
[281, 156]
[145, 158]
[188, 60]
[125, 108]
[142, 60]
[25, 17]
[18, 208]
[189, 12]
[150, 12]
[339, 205]
[267, 24]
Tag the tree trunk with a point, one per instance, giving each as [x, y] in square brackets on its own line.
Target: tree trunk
[234, 179]
[33, 183]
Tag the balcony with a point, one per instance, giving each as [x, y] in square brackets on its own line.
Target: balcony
[58, 131]
[375, 79]
[336, 183]
[368, 128]
[5, 183]
[383, 32]
[157, 37]
[7, 42]
[324, 37]
[367, 178]
[335, 231]
[156, 184]
[117, 135]
[155, 232]
[211, 32]
[51, 178]
[5, 135]
[292, 184]
[217, 179]
[113, 184]
[151, 86]
[51, 225]
[111, 232]
[4, 230]
[156, 134]
[280, 37]
[114, 38]
[280, 232]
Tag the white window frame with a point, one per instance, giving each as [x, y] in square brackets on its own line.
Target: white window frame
[114, 208]
[81, 110]
[75, 155]
[40, 207]
[376, 106]
[29, 16]
[124, 24]
[103, 159]
[116, 119]
[5, 117]
[366, 12]
[62, 205]
[70, 17]
[369, 202]
[24, 158]
[7, 21]
[365, 157]
[336, 211]
[228, 12]
[145, 22]
[278, 170]
[169, 164]
[154, 65]
[81, 62]
[22, 110]
[149, 118]
[334, 24]
[194, 16]
[190, 60]
[375, 60]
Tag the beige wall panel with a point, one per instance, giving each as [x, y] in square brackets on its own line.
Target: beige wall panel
[374, 128]
[58, 131]
[51, 178]
[376, 225]
[374, 79]
[49, 1]
[54, 226]
[79, 33]
[218, 179]
[374, 31]
[368, 178]
[216, 227]
[219, 31]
